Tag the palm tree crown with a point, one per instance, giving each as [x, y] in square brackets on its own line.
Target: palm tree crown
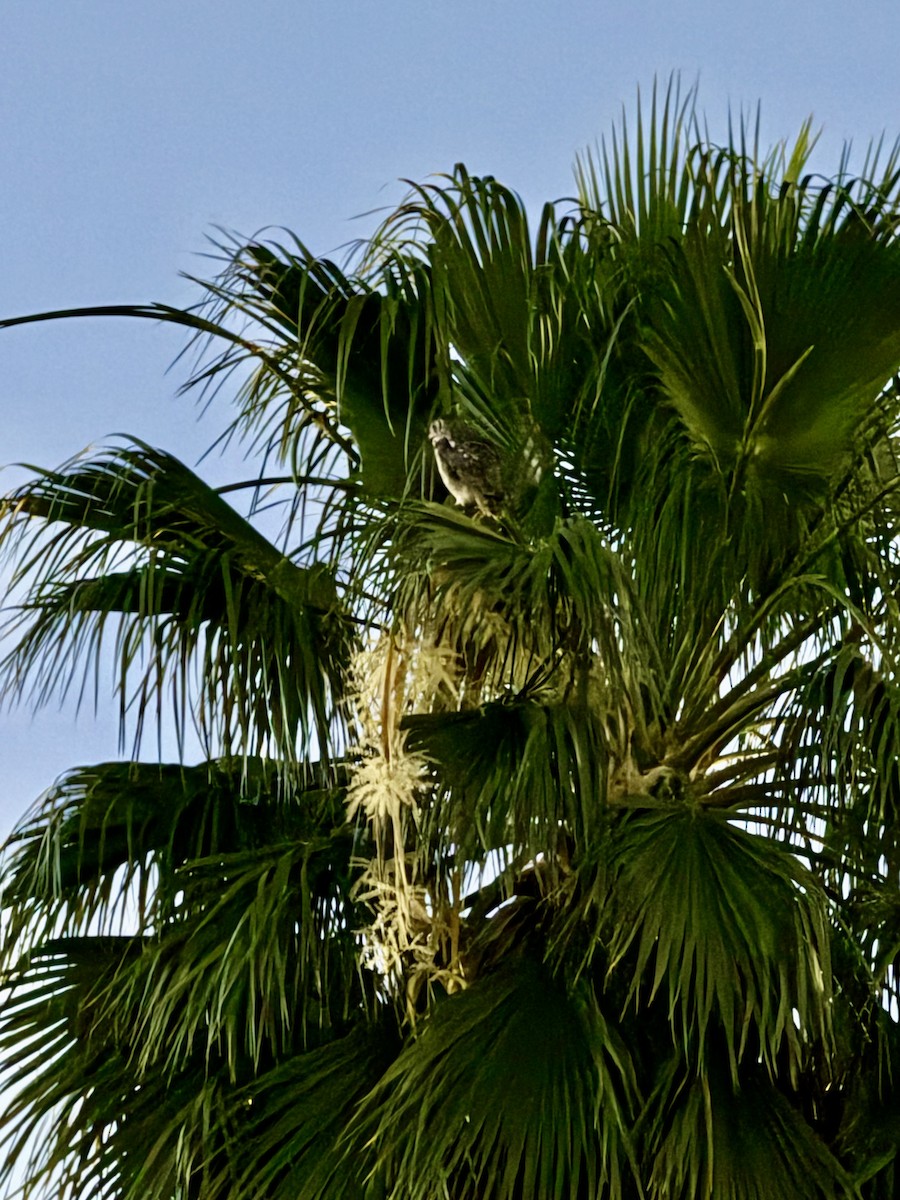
[544, 842]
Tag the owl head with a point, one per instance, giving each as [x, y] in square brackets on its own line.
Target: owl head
[439, 431]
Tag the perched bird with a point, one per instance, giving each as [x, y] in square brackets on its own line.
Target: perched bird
[469, 467]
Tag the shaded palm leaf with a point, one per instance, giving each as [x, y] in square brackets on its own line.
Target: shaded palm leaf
[744, 1145]
[292, 1120]
[512, 1088]
[729, 926]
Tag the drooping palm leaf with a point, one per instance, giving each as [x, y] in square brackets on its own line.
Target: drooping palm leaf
[749, 1144]
[729, 926]
[512, 1088]
[203, 604]
[293, 1120]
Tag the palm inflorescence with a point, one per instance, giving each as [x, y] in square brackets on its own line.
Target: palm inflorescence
[542, 840]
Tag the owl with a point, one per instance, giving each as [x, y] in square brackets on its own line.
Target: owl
[469, 467]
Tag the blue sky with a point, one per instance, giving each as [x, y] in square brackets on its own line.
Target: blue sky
[128, 131]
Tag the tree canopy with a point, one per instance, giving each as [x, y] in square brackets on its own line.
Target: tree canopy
[540, 850]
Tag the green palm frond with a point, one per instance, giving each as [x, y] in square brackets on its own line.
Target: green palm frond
[96, 822]
[869, 1122]
[89, 1124]
[643, 185]
[292, 1120]
[729, 926]
[512, 1088]
[523, 601]
[480, 257]
[533, 773]
[259, 957]
[746, 354]
[745, 1144]
[202, 605]
[205, 861]
[359, 352]
[254, 958]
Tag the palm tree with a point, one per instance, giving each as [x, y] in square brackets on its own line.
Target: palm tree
[541, 845]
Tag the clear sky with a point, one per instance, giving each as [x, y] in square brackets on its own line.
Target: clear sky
[129, 130]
